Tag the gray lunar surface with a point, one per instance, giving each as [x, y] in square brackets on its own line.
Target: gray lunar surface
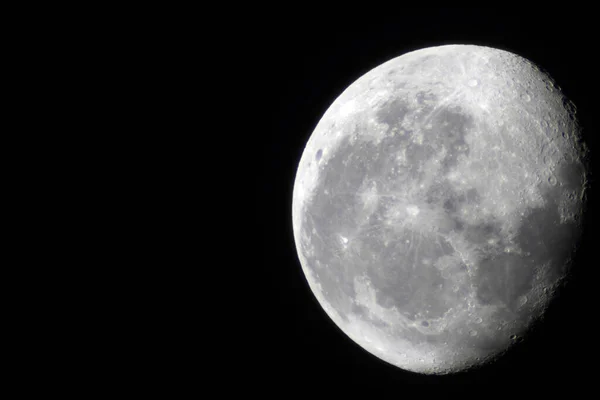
[437, 205]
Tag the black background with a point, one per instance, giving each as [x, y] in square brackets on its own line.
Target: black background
[296, 65]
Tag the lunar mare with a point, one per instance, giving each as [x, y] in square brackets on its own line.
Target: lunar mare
[438, 203]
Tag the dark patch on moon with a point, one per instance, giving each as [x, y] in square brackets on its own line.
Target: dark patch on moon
[450, 205]
[449, 128]
[418, 154]
[445, 194]
[480, 234]
[443, 127]
[472, 196]
[392, 113]
[542, 241]
[406, 276]
[501, 278]
[571, 176]
[425, 98]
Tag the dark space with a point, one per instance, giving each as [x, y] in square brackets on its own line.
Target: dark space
[296, 67]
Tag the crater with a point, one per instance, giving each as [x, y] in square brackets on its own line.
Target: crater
[319, 154]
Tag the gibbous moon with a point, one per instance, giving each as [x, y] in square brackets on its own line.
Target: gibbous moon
[437, 205]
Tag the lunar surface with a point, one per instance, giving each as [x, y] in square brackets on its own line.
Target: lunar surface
[438, 203]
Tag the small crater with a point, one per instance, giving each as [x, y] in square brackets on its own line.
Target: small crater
[473, 333]
[552, 180]
[569, 106]
[513, 337]
[522, 301]
[546, 160]
[478, 320]
[319, 155]
[473, 82]
[526, 97]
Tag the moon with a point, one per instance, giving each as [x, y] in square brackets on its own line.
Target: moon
[438, 204]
